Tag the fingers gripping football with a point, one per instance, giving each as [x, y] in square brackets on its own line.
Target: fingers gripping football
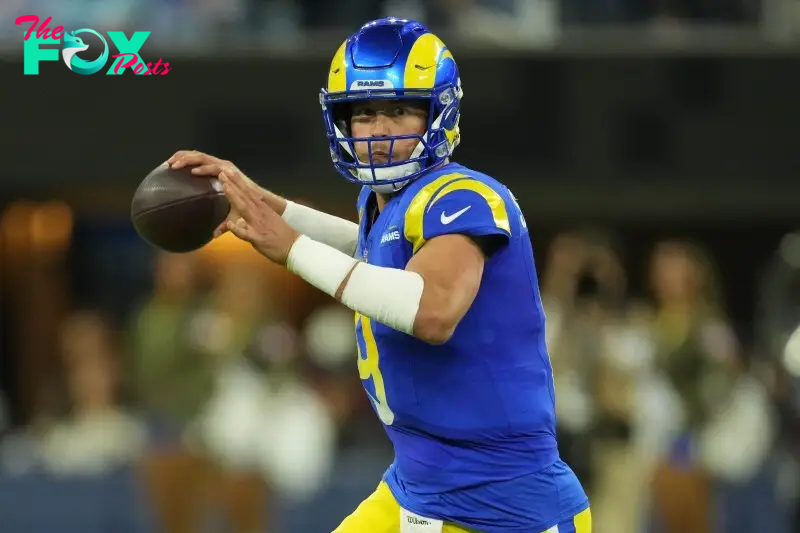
[205, 165]
[257, 222]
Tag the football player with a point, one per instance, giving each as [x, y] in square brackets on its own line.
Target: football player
[440, 274]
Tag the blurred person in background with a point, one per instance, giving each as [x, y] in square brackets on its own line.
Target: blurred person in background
[597, 353]
[267, 422]
[299, 443]
[778, 333]
[172, 379]
[572, 371]
[20, 447]
[331, 348]
[234, 311]
[97, 434]
[696, 366]
[266, 430]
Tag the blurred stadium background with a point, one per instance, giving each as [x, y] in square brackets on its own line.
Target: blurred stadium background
[654, 145]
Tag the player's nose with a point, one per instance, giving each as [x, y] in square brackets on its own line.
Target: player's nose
[381, 126]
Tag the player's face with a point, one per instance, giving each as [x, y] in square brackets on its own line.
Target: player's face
[383, 118]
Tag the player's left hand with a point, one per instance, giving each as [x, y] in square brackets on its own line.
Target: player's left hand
[258, 223]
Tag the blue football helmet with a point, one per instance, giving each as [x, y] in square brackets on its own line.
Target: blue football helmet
[392, 59]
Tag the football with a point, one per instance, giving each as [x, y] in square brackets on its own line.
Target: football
[177, 211]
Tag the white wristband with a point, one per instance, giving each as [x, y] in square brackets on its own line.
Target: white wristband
[327, 229]
[390, 296]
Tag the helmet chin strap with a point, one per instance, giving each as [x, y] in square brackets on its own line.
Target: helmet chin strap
[368, 176]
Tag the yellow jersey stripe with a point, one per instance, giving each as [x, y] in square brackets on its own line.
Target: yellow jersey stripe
[438, 193]
[495, 201]
[415, 214]
[413, 227]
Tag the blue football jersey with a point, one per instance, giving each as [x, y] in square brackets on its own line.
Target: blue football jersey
[472, 421]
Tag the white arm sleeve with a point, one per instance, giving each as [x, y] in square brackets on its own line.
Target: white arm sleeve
[322, 227]
[390, 296]
[387, 295]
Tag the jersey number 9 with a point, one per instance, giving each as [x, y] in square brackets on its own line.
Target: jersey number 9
[369, 367]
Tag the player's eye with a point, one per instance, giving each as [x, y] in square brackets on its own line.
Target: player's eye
[410, 110]
[363, 112]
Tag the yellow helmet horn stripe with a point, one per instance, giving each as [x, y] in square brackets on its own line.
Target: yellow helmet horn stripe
[337, 77]
[423, 59]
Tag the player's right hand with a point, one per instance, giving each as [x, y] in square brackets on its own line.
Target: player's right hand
[205, 165]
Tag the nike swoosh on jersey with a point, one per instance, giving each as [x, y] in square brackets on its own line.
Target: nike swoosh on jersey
[447, 219]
